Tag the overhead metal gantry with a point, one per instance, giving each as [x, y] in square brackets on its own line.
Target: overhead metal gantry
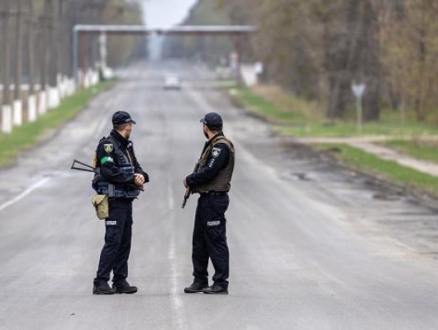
[80, 33]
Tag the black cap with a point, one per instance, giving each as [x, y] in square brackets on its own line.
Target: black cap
[122, 117]
[213, 120]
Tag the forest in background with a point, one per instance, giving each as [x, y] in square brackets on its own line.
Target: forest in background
[316, 49]
[36, 38]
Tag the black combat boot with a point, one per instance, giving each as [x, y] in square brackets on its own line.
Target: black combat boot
[102, 287]
[216, 288]
[195, 287]
[124, 287]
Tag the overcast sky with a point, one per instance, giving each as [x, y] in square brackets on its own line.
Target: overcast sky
[166, 12]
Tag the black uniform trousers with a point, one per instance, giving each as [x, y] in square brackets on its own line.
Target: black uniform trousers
[210, 239]
[115, 253]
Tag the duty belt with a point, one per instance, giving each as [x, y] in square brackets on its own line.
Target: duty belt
[213, 193]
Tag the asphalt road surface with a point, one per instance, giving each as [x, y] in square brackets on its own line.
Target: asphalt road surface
[312, 246]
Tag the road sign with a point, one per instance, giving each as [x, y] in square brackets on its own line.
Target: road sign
[358, 90]
[258, 67]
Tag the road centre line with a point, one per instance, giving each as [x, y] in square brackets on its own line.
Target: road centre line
[176, 299]
[24, 193]
[177, 303]
[170, 192]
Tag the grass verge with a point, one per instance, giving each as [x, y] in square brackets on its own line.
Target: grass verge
[425, 150]
[296, 117]
[28, 134]
[385, 169]
[265, 107]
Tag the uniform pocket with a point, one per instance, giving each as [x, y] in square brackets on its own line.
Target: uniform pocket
[216, 229]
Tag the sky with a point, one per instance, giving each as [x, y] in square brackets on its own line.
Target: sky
[165, 13]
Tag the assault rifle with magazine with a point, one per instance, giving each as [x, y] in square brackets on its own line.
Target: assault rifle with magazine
[80, 166]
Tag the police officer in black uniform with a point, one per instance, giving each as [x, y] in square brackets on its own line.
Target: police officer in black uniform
[212, 180]
[121, 178]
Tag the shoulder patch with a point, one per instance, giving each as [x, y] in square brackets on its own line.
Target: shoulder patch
[216, 152]
[108, 147]
[106, 160]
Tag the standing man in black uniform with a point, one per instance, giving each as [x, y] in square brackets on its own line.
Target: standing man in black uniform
[121, 178]
[212, 180]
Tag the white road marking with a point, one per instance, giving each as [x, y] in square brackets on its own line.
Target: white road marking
[24, 194]
[176, 300]
[175, 291]
[170, 192]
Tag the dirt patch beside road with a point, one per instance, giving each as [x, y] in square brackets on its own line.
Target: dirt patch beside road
[367, 144]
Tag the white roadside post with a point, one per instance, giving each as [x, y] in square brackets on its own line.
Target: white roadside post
[32, 108]
[103, 53]
[42, 102]
[7, 119]
[17, 113]
[358, 90]
[258, 69]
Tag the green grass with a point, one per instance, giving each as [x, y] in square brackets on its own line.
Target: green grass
[426, 150]
[300, 119]
[358, 159]
[268, 110]
[28, 134]
[386, 127]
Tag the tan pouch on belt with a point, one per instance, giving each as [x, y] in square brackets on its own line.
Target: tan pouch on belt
[100, 203]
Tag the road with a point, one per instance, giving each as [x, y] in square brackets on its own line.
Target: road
[311, 245]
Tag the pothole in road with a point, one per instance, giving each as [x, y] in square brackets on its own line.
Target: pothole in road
[302, 176]
[382, 193]
[386, 197]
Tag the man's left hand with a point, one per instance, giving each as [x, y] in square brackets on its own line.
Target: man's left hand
[139, 179]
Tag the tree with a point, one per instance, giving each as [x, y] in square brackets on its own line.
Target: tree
[410, 34]
[39, 34]
[31, 46]
[18, 50]
[6, 41]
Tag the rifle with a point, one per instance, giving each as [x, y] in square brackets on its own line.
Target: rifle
[87, 168]
[195, 169]
[189, 190]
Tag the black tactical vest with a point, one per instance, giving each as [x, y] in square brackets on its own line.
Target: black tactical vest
[124, 162]
[222, 181]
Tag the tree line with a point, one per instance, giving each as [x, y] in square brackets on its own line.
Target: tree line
[36, 39]
[316, 49]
